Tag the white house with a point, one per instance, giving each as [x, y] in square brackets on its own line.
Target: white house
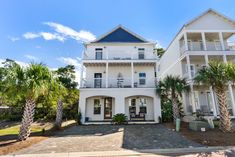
[206, 37]
[119, 76]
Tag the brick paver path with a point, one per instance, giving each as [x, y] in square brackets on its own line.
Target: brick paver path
[111, 138]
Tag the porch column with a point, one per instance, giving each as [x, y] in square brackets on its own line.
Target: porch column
[211, 90]
[107, 75]
[157, 108]
[204, 40]
[132, 75]
[221, 40]
[81, 75]
[82, 106]
[107, 54]
[185, 41]
[191, 84]
[230, 89]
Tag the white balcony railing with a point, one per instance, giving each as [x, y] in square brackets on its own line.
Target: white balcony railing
[118, 83]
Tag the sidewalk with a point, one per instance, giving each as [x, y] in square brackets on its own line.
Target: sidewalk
[229, 151]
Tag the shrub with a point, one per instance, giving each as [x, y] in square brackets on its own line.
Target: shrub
[167, 113]
[78, 118]
[119, 118]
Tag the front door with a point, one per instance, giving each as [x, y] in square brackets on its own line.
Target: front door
[98, 80]
[107, 108]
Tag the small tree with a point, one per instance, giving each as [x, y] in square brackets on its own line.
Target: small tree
[218, 75]
[29, 82]
[171, 88]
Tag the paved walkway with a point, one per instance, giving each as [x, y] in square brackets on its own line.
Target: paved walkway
[111, 138]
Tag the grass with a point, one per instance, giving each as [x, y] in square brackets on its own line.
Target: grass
[36, 128]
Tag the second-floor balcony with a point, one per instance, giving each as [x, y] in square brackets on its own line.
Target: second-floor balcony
[118, 83]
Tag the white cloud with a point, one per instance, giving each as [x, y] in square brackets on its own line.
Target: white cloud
[44, 35]
[30, 35]
[13, 39]
[23, 64]
[31, 57]
[82, 35]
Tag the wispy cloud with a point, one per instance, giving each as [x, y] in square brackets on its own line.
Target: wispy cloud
[61, 33]
[13, 39]
[44, 35]
[66, 31]
[31, 57]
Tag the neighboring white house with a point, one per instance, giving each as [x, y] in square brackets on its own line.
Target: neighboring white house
[205, 38]
[119, 76]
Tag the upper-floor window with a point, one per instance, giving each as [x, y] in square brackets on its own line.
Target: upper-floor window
[142, 78]
[141, 53]
[98, 53]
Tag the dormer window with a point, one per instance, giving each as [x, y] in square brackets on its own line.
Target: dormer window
[141, 53]
[98, 53]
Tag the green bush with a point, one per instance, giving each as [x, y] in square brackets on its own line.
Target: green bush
[78, 118]
[120, 118]
[167, 112]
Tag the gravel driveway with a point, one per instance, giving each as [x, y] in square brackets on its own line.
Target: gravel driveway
[111, 137]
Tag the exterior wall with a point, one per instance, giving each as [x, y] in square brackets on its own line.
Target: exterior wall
[90, 109]
[211, 22]
[122, 50]
[119, 96]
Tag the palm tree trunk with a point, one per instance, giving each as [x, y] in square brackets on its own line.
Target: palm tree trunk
[59, 114]
[225, 120]
[27, 120]
[176, 113]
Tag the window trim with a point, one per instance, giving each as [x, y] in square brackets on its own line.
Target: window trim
[141, 51]
[98, 51]
[142, 78]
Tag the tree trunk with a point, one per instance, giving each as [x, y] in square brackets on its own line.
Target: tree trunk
[59, 114]
[175, 106]
[27, 120]
[225, 120]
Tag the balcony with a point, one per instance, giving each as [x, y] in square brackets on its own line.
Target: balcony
[118, 83]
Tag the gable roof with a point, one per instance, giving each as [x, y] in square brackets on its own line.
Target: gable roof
[120, 34]
[214, 12]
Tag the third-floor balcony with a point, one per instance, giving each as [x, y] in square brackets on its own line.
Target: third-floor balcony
[203, 41]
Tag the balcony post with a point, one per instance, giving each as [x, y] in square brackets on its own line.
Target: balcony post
[230, 89]
[132, 75]
[221, 40]
[185, 41]
[204, 40]
[107, 75]
[188, 66]
[81, 75]
[211, 90]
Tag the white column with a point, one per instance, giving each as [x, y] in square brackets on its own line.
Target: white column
[119, 104]
[213, 102]
[185, 41]
[157, 108]
[82, 106]
[191, 84]
[211, 90]
[230, 89]
[204, 40]
[132, 75]
[107, 75]
[81, 75]
[221, 40]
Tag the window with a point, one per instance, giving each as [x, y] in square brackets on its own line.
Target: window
[192, 70]
[132, 106]
[97, 106]
[141, 53]
[98, 53]
[142, 78]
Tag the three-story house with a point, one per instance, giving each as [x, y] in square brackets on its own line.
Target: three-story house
[119, 76]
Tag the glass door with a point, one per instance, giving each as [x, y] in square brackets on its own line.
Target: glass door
[107, 108]
[98, 80]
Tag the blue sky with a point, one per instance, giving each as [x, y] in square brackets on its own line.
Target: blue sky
[53, 31]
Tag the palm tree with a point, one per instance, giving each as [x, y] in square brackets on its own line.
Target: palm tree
[218, 75]
[172, 87]
[29, 82]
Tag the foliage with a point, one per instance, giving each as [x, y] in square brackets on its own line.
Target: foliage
[170, 91]
[119, 118]
[160, 52]
[219, 75]
[167, 112]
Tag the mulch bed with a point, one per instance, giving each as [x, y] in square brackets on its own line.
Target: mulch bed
[213, 137]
